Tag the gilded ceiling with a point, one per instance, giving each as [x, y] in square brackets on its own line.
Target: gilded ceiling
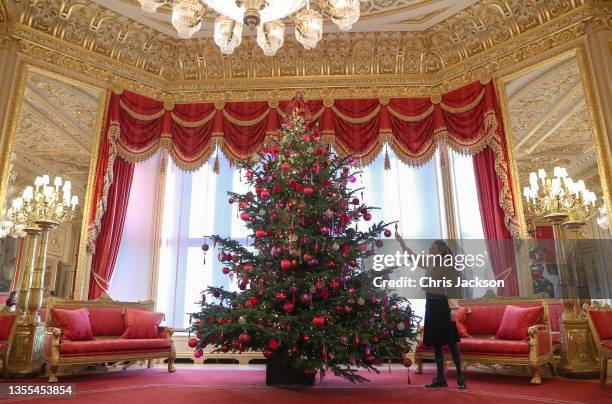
[55, 132]
[417, 37]
[550, 122]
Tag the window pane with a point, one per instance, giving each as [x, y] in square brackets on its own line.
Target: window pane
[202, 204]
[466, 197]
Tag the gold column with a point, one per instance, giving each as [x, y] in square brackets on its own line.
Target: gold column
[26, 269]
[25, 352]
[37, 289]
[578, 353]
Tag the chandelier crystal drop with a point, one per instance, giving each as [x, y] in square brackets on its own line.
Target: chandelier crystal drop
[150, 6]
[228, 34]
[270, 37]
[265, 17]
[345, 13]
[308, 28]
[186, 17]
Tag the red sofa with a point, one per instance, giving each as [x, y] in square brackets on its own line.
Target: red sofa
[116, 334]
[531, 347]
[600, 322]
[7, 325]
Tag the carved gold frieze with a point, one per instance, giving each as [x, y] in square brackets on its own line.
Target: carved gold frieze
[478, 29]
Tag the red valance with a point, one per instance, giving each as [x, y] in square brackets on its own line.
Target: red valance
[467, 119]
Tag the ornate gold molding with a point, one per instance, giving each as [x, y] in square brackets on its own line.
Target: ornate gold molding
[490, 35]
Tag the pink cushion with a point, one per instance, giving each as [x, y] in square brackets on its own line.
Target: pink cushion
[6, 325]
[602, 320]
[460, 316]
[107, 321]
[141, 324]
[517, 320]
[100, 346]
[484, 319]
[75, 324]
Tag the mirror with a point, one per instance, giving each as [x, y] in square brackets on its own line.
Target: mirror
[54, 135]
[549, 124]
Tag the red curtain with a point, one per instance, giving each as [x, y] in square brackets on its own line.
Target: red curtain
[111, 229]
[498, 238]
[467, 119]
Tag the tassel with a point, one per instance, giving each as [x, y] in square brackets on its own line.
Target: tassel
[216, 164]
[387, 160]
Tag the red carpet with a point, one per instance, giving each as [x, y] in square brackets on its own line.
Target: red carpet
[227, 386]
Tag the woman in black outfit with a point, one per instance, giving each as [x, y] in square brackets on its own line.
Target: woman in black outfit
[439, 328]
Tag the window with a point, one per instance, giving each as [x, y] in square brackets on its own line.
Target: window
[196, 204]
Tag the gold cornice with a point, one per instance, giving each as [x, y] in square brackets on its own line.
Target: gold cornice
[366, 80]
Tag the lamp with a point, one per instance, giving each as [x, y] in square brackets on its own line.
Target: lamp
[39, 209]
[265, 16]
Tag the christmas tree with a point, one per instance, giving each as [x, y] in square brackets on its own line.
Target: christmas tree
[304, 296]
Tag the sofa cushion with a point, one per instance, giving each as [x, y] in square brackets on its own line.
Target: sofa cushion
[107, 321]
[6, 325]
[602, 320]
[484, 319]
[607, 344]
[460, 315]
[141, 324]
[102, 346]
[493, 346]
[75, 324]
[517, 320]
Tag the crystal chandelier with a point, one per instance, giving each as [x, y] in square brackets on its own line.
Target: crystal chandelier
[559, 198]
[44, 203]
[263, 16]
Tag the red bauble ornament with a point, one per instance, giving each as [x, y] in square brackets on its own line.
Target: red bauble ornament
[288, 307]
[308, 190]
[265, 194]
[285, 166]
[285, 264]
[248, 267]
[294, 264]
[319, 151]
[267, 353]
[192, 342]
[225, 270]
[334, 284]
[277, 189]
[318, 321]
[273, 344]
[387, 233]
[324, 293]
[367, 216]
[281, 296]
[259, 233]
[306, 338]
[249, 174]
[407, 362]
[244, 338]
[225, 348]
[245, 216]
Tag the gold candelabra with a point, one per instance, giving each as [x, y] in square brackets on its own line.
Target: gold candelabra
[568, 204]
[41, 208]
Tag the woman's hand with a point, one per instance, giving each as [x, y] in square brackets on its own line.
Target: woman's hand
[398, 237]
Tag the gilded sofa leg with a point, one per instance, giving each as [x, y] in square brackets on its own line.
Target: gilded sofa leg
[53, 373]
[535, 373]
[603, 372]
[418, 359]
[149, 363]
[172, 355]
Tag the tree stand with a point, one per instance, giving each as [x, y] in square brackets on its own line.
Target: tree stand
[279, 372]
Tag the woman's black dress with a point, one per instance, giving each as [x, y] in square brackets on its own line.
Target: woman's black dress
[438, 327]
